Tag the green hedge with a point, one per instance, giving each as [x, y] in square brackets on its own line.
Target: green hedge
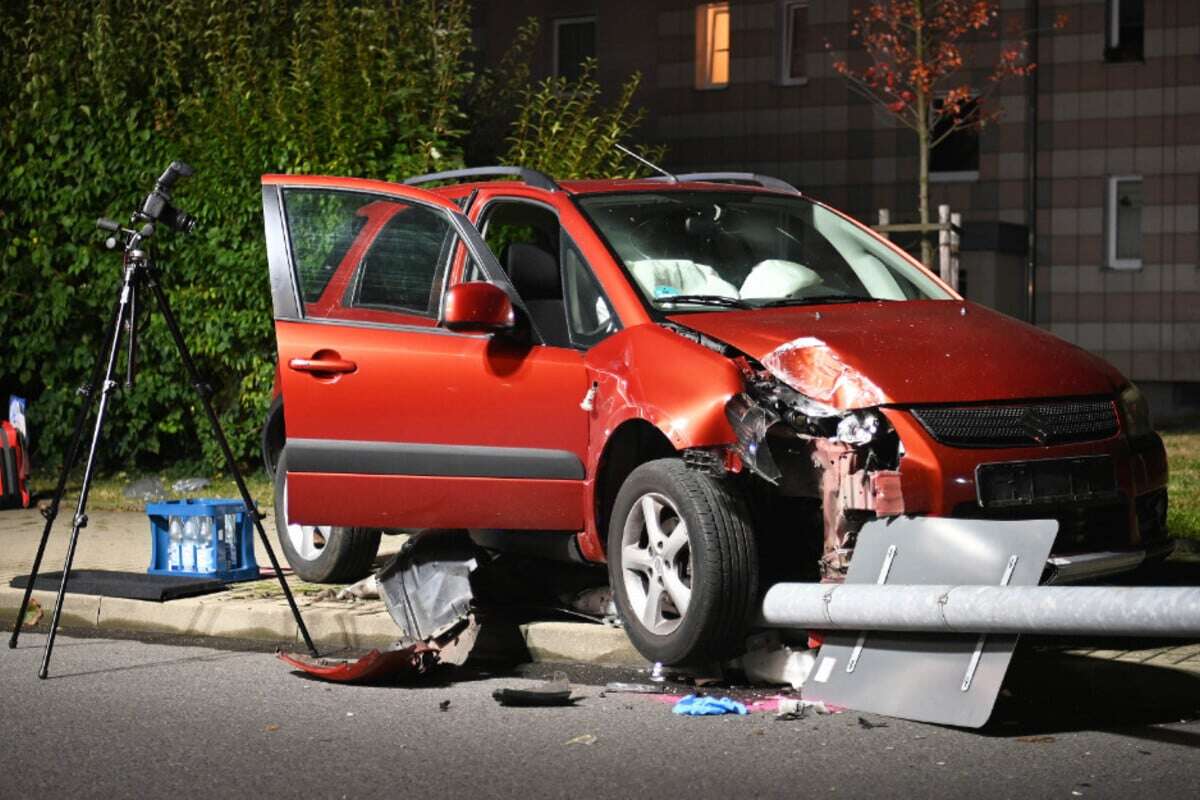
[98, 97]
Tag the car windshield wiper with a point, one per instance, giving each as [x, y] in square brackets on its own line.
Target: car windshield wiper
[819, 299]
[703, 300]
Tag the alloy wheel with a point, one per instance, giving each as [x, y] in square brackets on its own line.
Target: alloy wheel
[656, 563]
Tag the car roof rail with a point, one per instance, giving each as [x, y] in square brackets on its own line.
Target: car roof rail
[765, 181]
[533, 177]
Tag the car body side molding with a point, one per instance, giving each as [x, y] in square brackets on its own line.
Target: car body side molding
[442, 460]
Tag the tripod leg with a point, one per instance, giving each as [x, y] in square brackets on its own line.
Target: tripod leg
[203, 391]
[60, 488]
[80, 520]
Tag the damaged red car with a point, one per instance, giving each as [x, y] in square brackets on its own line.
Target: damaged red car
[708, 381]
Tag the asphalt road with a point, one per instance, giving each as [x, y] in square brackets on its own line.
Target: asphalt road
[138, 719]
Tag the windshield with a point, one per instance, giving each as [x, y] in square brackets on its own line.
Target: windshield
[749, 250]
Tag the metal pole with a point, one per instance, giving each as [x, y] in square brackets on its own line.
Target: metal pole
[81, 520]
[203, 390]
[944, 268]
[1031, 167]
[1060, 610]
[955, 227]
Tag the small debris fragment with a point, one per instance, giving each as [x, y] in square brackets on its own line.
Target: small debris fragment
[596, 602]
[366, 589]
[583, 738]
[633, 688]
[799, 709]
[189, 484]
[656, 674]
[554, 692]
[349, 713]
[444, 705]
[147, 490]
[767, 660]
[701, 706]
[33, 614]
[271, 728]
[1038, 740]
[866, 724]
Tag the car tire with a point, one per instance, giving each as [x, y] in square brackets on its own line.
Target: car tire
[653, 570]
[344, 555]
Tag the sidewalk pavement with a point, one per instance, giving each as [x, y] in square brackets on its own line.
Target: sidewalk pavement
[252, 610]
[257, 611]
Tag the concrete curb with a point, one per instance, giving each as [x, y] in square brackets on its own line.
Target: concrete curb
[333, 628]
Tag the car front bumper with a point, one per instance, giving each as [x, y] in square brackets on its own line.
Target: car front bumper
[1097, 537]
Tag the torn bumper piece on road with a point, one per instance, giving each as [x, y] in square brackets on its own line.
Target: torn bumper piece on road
[413, 659]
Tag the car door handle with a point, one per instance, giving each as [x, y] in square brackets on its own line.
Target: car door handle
[325, 366]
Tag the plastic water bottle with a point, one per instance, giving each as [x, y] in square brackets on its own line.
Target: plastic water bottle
[232, 539]
[206, 554]
[175, 544]
[222, 545]
[191, 535]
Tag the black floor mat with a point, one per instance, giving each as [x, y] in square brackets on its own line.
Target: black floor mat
[134, 585]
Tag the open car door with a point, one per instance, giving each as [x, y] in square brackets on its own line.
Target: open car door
[392, 420]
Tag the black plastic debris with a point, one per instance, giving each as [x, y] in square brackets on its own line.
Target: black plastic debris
[554, 692]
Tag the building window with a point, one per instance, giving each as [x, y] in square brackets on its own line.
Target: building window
[1126, 29]
[1124, 223]
[793, 42]
[574, 43]
[954, 157]
[712, 45]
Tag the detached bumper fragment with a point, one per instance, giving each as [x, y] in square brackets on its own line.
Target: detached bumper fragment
[377, 665]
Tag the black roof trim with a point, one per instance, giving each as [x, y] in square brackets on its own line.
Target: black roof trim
[533, 177]
[765, 181]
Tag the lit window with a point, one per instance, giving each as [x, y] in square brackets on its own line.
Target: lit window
[712, 45]
[574, 43]
[1126, 29]
[1124, 234]
[793, 44]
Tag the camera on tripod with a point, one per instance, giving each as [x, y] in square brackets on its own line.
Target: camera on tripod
[158, 207]
[139, 272]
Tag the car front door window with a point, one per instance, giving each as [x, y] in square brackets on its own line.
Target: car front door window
[362, 256]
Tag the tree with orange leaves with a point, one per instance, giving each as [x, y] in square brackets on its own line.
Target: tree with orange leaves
[916, 72]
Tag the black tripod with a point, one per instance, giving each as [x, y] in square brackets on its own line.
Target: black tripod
[139, 271]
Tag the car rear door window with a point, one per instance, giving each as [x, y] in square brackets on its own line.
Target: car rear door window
[368, 257]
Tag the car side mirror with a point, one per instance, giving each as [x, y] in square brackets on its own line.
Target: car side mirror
[478, 307]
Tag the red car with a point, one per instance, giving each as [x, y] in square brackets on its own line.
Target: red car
[709, 382]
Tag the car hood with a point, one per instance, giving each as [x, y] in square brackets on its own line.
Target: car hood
[856, 355]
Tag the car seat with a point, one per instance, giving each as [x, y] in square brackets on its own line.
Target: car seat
[535, 274]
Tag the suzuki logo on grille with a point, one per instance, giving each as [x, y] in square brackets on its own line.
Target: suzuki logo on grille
[1035, 425]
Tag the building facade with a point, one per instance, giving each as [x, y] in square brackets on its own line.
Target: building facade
[1096, 159]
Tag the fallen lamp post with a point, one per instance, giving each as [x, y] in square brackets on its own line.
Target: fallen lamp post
[1172, 611]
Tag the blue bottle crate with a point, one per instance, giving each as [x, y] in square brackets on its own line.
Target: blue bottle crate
[212, 549]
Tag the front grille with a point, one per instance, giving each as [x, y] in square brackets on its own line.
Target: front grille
[1027, 424]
